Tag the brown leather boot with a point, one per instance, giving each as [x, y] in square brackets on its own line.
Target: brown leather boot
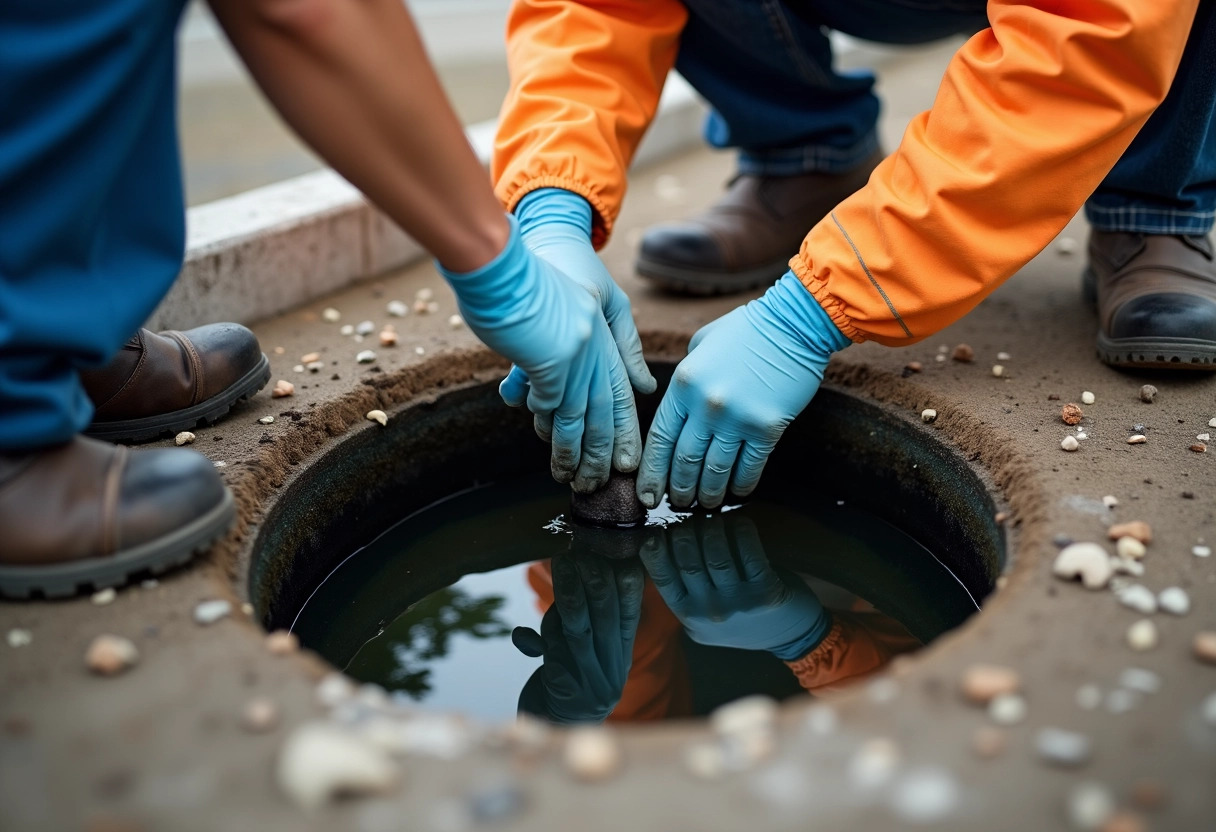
[170, 382]
[748, 237]
[89, 514]
[1156, 299]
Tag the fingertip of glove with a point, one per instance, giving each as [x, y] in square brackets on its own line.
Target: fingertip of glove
[528, 642]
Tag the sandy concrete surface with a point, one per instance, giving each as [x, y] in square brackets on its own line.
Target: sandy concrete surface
[161, 747]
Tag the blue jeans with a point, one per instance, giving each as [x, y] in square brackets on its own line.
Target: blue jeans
[92, 215]
[765, 66]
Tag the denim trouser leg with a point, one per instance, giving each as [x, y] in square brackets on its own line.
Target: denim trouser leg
[92, 223]
[765, 66]
[1166, 181]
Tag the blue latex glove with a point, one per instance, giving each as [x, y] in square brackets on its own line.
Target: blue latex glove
[586, 638]
[556, 226]
[746, 376]
[714, 576]
[527, 311]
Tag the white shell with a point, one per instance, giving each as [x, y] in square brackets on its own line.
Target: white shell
[320, 761]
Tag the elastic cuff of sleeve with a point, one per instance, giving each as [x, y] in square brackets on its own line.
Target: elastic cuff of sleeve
[601, 221]
[549, 207]
[831, 307]
[818, 325]
[807, 667]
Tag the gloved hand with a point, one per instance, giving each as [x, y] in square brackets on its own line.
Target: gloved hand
[556, 226]
[746, 376]
[586, 638]
[713, 574]
[527, 311]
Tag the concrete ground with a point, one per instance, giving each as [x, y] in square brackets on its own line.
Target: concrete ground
[162, 747]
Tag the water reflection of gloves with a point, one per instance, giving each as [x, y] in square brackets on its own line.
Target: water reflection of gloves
[746, 376]
[586, 638]
[715, 577]
[526, 310]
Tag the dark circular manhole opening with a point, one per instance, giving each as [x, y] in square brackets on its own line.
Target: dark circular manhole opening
[882, 522]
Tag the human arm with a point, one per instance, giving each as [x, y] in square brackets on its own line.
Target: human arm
[585, 84]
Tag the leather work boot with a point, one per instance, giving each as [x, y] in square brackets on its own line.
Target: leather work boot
[1156, 299]
[748, 237]
[169, 382]
[91, 514]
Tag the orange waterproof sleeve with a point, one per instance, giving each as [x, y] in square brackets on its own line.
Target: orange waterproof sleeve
[858, 644]
[585, 84]
[1031, 114]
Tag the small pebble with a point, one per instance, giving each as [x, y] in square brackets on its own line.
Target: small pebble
[280, 351]
[1204, 437]
[750, 714]
[493, 802]
[455, 322]
[1201, 551]
[365, 357]
[110, 655]
[1063, 748]
[365, 328]
[315, 366]
[982, 683]
[1087, 397]
[299, 368]
[914, 367]
[347, 329]
[705, 760]
[397, 308]
[1208, 710]
[1142, 635]
[1199, 448]
[260, 715]
[1110, 501]
[1123, 821]
[988, 742]
[1137, 439]
[1087, 561]
[592, 753]
[247, 609]
[1088, 697]
[1003, 356]
[1136, 528]
[1069, 443]
[1127, 566]
[105, 596]
[1066, 246]
[320, 761]
[940, 359]
[219, 463]
[281, 389]
[1212, 423]
[1007, 709]
[1140, 680]
[388, 338]
[925, 796]
[19, 638]
[963, 352]
[266, 420]
[425, 295]
[1147, 393]
[331, 315]
[998, 370]
[377, 416]
[821, 719]
[1089, 806]
[928, 415]
[334, 689]
[209, 612]
[1129, 547]
[1120, 701]
[308, 358]
[419, 351]
[184, 438]
[874, 763]
[1071, 414]
[1174, 600]
[1204, 646]
[282, 643]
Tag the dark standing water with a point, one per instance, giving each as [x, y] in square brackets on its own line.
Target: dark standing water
[428, 609]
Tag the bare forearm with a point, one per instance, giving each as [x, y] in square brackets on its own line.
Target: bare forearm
[352, 77]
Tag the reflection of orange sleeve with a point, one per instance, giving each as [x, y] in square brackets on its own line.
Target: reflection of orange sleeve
[657, 686]
[858, 644]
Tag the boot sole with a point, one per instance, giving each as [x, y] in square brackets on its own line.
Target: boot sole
[1149, 353]
[64, 580]
[686, 281]
[147, 428]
